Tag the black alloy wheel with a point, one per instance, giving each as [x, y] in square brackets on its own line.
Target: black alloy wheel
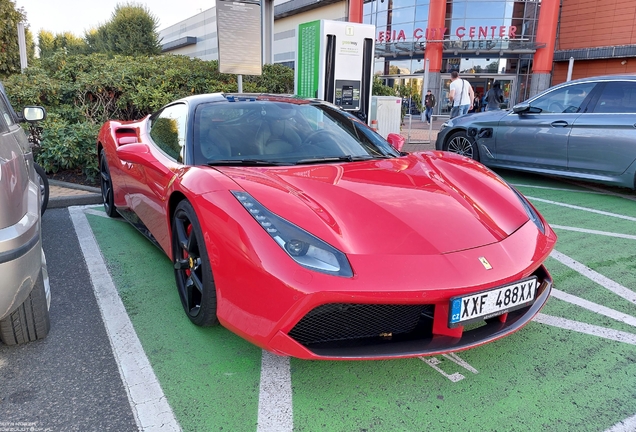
[460, 143]
[192, 268]
[106, 185]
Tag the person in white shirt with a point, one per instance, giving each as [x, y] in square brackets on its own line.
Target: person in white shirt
[461, 94]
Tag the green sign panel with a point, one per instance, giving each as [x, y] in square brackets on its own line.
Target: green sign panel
[307, 70]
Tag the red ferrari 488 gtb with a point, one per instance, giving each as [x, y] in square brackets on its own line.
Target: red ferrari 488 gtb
[297, 227]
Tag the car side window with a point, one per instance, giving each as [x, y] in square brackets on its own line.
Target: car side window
[617, 97]
[168, 130]
[567, 99]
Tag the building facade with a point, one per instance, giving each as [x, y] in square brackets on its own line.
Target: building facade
[193, 37]
[524, 44]
[600, 36]
[485, 41]
[288, 15]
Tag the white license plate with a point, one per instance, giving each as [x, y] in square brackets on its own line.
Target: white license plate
[491, 303]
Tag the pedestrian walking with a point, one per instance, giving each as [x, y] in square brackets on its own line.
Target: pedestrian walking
[429, 104]
[494, 97]
[461, 95]
[476, 104]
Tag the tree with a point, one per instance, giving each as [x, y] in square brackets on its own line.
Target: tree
[97, 39]
[493, 67]
[46, 43]
[30, 45]
[132, 30]
[276, 78]
[380, 89]
[10, 52]
[66, 41]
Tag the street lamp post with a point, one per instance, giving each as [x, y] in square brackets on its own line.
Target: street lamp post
[22, 47]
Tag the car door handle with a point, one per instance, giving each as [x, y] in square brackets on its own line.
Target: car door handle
[559, 123]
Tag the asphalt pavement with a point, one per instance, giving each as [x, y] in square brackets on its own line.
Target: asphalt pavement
[70, 380]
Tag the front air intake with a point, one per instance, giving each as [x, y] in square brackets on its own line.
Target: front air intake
[342, 321]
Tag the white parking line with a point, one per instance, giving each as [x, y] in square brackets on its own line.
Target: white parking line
[461, 362]
[95, 212]
[556, 189]
[275, 410]
[594, 307]
[605, 282]
[589, 231]
[589, 329]
[627, 425]
[434, 362]
[587, 209]
[149, 405]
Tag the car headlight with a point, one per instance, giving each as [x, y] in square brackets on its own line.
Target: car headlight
[444, 125]
[304, 248]
[530, 211]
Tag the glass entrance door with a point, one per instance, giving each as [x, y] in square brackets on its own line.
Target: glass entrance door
[481, 84]
[508, 87]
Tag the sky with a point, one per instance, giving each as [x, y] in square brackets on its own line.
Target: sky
[77, 16]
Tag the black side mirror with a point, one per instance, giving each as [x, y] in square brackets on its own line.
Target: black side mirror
[521, 108]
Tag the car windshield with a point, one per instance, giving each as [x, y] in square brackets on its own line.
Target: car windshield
[252, 133]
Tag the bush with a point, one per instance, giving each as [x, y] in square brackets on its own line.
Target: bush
[81, 92]
[68, 146]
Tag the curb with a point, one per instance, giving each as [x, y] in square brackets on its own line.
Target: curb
[63, 202]
[74, 186]
[94, 197]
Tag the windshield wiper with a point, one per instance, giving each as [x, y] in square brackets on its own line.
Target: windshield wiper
[245, 162]
[347, 158]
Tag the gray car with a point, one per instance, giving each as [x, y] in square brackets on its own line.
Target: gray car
[25, 295]
[583, 129]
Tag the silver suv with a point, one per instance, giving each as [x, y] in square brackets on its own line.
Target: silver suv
[25, 295]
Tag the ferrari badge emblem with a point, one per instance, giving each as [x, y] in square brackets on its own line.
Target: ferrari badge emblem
[485, 263]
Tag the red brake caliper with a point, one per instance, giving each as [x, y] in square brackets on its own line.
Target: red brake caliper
[185, 253]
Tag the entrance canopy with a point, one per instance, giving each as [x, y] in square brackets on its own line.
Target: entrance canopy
[458, 47]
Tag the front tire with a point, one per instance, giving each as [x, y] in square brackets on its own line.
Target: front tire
[192, 268]
[106, 185]
[460, 143]
[30, 321]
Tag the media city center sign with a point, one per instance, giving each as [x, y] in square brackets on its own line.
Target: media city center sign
[438, 33]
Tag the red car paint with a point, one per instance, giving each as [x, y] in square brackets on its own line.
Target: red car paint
[412, 227]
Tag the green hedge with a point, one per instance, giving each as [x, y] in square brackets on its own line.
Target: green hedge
[81, 92]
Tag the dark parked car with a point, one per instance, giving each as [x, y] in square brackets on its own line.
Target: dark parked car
[584, 129]
[25, 295]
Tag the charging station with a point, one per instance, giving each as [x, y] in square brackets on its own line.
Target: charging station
[334, 62]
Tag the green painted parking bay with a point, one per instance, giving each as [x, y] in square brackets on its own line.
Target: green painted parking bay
[574, 368]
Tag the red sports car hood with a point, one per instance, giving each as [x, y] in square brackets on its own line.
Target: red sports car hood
[426, 203]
